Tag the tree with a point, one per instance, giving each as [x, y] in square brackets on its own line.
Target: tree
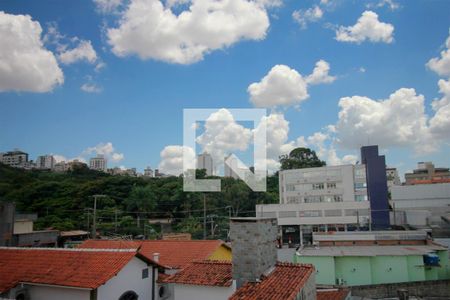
[300, 158]
[142, 199]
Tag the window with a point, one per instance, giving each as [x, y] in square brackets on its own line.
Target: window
[331, 185]
[360, 198]
[290, 187]
[318, 186]
[337, 198]
[313, 199]
[287, 214]
[310, 213]
[333, 213]
[360, 185]
[145, 273]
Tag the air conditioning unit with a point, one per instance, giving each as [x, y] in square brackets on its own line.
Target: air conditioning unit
[164, 292]
[21, 294]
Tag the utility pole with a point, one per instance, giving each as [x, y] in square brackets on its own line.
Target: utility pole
[115, 220]
[204, 216]
[94, 223]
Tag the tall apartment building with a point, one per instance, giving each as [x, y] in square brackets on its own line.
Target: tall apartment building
[15, 158]
[427, 173]
[98, 163]
[335, 198]
[205, 161]
[45, 162]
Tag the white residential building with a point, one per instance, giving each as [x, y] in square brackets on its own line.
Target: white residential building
[15, 158]
[148, 172]
[45, 162]
[98, 163]
[205, 161]
[392, 177]
[319, 199]
[55, 274]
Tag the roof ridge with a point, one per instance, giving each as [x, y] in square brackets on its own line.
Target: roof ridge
[68, 249]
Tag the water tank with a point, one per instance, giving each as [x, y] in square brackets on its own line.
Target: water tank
[431, 259]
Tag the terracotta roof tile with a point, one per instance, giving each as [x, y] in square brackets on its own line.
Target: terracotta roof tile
[74, 268]
[212, 273]
[172, 253]
[283, 283]
[337, 294]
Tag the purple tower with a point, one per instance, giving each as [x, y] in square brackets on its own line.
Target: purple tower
[377, 190]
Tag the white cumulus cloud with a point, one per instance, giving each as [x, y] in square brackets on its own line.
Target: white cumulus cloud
[320, 74]
[172, 159]
[399, 120]
[25, 64]
[441, 65]
[303, 17]
[223, 135]
[152, 31]
[368, 27]
[106, 149]
[281, 86]
[284, 86]
[82, 52]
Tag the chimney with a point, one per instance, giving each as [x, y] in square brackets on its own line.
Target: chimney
[254, 247]
[156, 257]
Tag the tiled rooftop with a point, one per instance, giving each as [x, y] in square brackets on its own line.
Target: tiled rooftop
[336, 294]
[283, 283]
[64, 267]
[213, 273]
[173, 254]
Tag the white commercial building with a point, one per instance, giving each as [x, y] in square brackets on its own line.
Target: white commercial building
[205, 161]
[421, 204]
[319, 199]
[45, 162]
[98, 163]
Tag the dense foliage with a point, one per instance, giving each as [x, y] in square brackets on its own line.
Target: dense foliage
[64, 201]
[300, 158]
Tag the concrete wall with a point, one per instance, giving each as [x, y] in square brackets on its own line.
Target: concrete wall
[7, 211]
[23, 226]
[421, 196]
[254, 247]
[128, 279]
[57, 293]
[198, 292]
[440, 288]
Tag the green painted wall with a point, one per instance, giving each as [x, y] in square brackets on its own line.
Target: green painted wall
[444, 261]
[416, 271]
[354, 270]
[389, 269]
[376, 269]
[324, 267]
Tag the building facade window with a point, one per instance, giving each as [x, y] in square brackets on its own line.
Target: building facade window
[338, 198]
[331, 185]
[318, 186]
[360, 198]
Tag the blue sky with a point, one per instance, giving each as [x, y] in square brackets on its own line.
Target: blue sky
[134, 92]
